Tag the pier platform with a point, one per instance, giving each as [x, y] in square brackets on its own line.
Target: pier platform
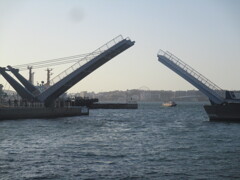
[113, 106]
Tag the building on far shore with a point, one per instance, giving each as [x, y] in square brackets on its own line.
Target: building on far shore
[146, 96]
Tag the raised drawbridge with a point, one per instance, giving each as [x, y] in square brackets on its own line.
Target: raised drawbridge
[84, 67]
[70, 76]
[215, 94]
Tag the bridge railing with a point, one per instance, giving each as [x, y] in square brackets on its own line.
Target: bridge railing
[86, 59]
[192, 72]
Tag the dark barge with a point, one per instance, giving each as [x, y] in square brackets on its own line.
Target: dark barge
[12, 113]
[229, 112]
[93, 103]
[114, 106]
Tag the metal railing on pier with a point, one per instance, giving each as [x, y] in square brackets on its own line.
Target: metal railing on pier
[188, 69]
[86, 59]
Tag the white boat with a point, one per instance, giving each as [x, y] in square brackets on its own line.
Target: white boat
[169, 104]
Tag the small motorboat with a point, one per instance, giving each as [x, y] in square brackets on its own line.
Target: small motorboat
[169, 104]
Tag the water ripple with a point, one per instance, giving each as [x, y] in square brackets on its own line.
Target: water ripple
[149, 143]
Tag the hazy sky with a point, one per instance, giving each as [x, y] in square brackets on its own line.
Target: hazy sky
[203, 33]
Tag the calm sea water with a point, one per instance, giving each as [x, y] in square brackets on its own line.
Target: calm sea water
[152, 142]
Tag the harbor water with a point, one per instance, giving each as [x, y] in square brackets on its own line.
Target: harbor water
[151, 142]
